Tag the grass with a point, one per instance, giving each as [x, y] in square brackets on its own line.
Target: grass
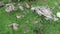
[49, 27]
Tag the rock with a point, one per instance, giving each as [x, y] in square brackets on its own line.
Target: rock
[55, 19]
[19, 16]
[28, 5]
[21, 7]
[45, 11]
[1, 4]
[58, 14]
[10, 8]
[14, 26]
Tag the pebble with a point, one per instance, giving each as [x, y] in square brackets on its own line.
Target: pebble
[9, 8]
[58, 14]
[1, 4]
[21, 7]
[14, 26]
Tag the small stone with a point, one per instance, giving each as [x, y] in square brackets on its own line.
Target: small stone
[28, 5]
[21, 7]
[1, 4]
[9, 8]
[58, 14]
[18, 16]
[33, 8]
[55, 19]
[14, 26]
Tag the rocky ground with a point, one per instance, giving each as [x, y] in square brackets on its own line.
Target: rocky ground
[22, 20]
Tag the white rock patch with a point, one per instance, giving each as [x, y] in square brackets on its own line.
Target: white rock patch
[45, 11]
